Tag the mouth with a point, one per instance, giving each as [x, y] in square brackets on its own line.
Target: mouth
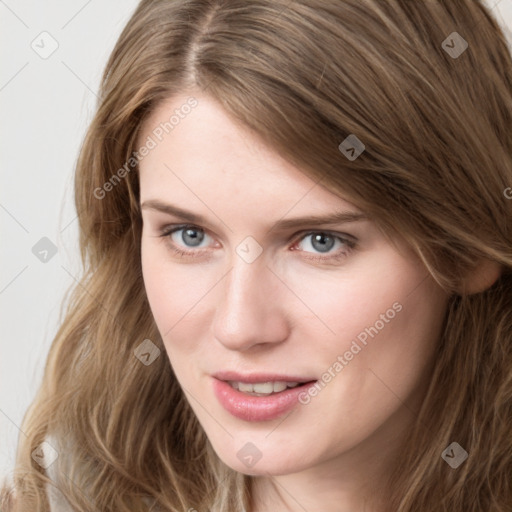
[260, 397]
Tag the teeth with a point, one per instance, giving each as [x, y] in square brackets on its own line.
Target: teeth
[244, 387]
[262, 388]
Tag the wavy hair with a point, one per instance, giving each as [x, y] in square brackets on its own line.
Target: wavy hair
[303, 75]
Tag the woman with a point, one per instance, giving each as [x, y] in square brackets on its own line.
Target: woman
[295, 229]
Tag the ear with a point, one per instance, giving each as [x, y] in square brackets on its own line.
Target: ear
[482, 277]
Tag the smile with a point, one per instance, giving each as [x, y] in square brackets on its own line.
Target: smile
[265, 400]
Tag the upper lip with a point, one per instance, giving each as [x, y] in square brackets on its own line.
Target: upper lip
[254, 378]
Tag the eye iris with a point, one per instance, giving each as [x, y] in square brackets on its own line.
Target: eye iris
[323, 247]
[192, 236]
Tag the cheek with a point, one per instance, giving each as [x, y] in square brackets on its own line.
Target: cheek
[159, 289]
[412, 337]
[347, 302]
[381, 314]
[177, 295]
[385, 359]
[397, 333]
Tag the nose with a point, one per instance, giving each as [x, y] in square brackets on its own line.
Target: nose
[250, 309]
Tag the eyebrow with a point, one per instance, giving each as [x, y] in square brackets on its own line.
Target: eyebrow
[337, 217]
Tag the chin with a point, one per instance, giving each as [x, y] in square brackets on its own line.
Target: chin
[268, 462]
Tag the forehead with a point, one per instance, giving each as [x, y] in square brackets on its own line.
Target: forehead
[207, 159]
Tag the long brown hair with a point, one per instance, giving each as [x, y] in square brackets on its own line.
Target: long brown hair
[426, 86]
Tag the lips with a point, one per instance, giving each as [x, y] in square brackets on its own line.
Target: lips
[258, 406]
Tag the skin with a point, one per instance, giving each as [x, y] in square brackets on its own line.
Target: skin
[284, 313]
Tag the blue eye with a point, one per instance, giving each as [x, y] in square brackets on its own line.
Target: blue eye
[190, 235]
[322, 243]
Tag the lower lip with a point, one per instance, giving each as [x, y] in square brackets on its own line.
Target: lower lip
[257, 408]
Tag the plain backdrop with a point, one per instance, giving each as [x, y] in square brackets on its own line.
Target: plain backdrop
[52, 55]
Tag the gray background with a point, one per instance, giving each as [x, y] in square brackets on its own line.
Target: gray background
[46, 103]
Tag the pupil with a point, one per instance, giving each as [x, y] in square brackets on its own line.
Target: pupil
[323, 247]
[193, 237]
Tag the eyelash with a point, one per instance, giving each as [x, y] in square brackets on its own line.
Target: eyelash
[350, 244]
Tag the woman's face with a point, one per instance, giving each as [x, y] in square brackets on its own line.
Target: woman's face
[242, 291]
